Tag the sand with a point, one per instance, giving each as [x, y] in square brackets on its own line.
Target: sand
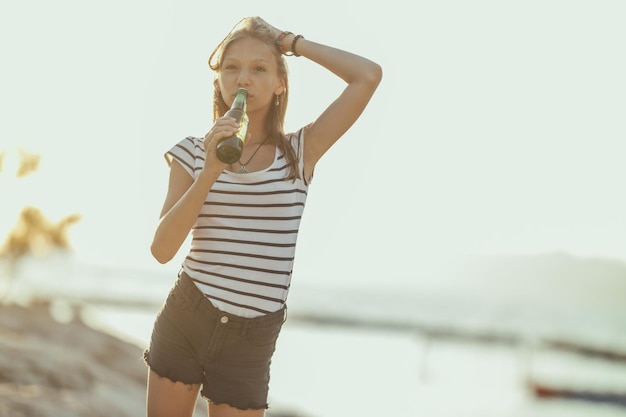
[51, 368]
[48, 368]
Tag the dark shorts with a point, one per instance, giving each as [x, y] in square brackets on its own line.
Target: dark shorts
[195, 343]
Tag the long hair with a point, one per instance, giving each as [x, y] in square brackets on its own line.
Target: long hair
[275, 120]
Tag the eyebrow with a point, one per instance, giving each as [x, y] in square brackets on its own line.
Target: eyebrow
[253, 60]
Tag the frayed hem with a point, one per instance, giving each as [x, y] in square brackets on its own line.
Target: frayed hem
[264, 407]
[174, 380]
[146, 361]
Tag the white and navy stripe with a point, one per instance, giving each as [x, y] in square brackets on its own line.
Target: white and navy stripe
[244, 240]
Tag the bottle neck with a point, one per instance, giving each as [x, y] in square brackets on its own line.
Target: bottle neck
[240, 100]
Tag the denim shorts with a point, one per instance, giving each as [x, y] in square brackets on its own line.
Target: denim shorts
[195, 343]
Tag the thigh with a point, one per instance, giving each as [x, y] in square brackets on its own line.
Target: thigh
[170, 399]
[179, 336]
[225, 410]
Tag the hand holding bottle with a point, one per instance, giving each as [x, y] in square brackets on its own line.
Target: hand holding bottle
[223, 128]
[229, 149]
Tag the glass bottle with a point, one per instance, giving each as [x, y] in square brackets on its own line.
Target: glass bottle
[229, 149]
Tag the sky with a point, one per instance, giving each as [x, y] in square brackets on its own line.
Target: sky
[498, 127]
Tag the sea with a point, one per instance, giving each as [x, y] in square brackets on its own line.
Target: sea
[401, 352]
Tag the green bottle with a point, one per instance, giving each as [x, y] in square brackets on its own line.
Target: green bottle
[229, 149]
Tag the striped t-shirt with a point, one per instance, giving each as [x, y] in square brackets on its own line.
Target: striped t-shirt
[244, 240]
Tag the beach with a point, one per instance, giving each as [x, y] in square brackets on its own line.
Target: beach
[510, 151]
[73, 346]
[50, 368]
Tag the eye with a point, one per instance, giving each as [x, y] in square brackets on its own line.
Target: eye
[260, 68]
[229, 67]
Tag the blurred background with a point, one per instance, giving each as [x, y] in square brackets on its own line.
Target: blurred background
[462, 250]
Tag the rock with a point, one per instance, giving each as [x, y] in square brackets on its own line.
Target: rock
[57, 369]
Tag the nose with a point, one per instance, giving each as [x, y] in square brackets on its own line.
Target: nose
[243, 78]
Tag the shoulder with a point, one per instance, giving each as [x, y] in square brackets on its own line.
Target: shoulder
[296, 139]
[192, 142]
[189, 152]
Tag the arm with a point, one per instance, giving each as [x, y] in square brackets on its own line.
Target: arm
[186, 196]
[362, 77]
[182, 205]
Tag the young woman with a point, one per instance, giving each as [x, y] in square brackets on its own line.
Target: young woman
[217, 329]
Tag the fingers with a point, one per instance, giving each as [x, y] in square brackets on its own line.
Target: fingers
[223, 128]
[273, 30]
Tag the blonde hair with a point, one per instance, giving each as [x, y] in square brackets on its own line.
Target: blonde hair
[251, 27]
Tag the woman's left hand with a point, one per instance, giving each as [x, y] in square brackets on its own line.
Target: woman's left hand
[272, 29]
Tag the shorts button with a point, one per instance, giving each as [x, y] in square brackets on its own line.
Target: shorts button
[224, 319]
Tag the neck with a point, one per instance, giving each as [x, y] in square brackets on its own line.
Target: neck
[255, 138]
[256, 127]
[257, 135]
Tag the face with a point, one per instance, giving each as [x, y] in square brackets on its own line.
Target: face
[249, 63]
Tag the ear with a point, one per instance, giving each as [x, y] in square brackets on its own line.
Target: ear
[280, 88]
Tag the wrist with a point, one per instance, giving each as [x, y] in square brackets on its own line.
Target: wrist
[209, 174]
[287, 43]
[284, 40]
[294, 43]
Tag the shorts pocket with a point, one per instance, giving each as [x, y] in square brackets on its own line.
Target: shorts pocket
[178, 299]
[263, 336]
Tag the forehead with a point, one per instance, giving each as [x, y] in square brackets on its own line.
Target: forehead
[248, 49]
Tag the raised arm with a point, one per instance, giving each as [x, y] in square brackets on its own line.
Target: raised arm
[362, 77]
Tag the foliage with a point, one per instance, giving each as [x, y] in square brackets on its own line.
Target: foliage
[33, 233]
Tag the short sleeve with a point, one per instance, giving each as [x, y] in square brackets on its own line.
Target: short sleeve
[297, 142]
[188, 152]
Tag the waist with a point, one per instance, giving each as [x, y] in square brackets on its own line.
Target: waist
[191, 291]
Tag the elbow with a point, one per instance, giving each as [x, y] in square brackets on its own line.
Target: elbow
[370, 78]
[375, 75]
[160, 255]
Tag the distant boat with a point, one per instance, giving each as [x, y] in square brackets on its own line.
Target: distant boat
[545, 391]
[589, 351]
